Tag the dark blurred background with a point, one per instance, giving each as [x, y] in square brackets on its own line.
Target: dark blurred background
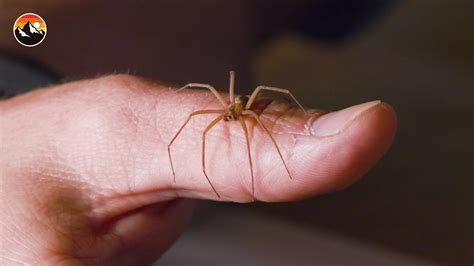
[417, 55]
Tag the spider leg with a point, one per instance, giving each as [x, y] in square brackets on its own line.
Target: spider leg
[244, 127]
[255, 115]
[260, 88]
[200, 112]
[211, 125]
[231, 86]
[206, 86]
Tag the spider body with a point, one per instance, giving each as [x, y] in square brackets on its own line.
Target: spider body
[234, 110]
[238, 108]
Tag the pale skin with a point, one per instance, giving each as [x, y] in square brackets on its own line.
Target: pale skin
[237, 108]
[85, 175]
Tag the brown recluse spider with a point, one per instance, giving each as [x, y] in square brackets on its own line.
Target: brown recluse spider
[237, 109]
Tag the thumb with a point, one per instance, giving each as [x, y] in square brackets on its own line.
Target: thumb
[113, 132]
[322, 152]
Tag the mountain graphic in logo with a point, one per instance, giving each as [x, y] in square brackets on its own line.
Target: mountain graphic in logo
[29, 35]
[29, 29]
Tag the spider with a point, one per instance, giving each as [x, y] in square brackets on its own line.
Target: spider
[238, 108]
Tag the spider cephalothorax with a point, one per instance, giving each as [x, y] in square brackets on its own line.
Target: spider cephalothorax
[235, 109]
[238, 108]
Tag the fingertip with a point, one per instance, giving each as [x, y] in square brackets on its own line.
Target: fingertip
[363, 143]
[323, 164]
[368, 139]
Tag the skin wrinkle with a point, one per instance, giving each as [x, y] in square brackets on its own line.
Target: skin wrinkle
[107, 206]
[276, 122]
[280, 124]
[295, 136]
[131, 159]
[130, 116]
[245, 177]
[3, 258]
[210, 103]
[56, 167]
[154, 118]
[85, 115]
[142, 125]
[123, 164]
[31, 253]
[308, 126]
[87, 172]
[159, 134]
[262, 147]
[136, 123]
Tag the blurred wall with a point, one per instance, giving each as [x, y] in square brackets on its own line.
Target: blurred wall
[419, 58]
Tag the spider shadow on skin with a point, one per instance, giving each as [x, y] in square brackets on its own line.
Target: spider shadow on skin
[232, 131]
[270, 111]
[237, 137]
[259, 106]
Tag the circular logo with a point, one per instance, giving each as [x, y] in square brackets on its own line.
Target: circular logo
[29, 29]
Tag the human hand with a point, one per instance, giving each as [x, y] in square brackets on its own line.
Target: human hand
[85, 174]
